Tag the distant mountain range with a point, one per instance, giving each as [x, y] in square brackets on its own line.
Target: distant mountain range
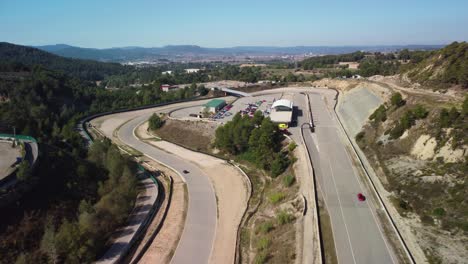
[83, 69]
[171, 52]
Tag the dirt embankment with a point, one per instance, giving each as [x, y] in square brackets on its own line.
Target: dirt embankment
[182, 132]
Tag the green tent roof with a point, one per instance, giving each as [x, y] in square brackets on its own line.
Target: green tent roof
[215, 103]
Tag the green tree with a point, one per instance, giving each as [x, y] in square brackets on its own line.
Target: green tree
[465, 106]
[24, 171]
[155, 122]
[397, 100]
[257, 118]
[202, 90]
[48, 243]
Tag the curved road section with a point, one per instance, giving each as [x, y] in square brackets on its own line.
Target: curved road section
[196, 242]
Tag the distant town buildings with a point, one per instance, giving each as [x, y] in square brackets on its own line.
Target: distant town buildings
[192, 70]
[252, 65]
[168, 87]
[167, 72]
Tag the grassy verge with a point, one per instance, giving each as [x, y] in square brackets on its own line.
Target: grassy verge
[327, 234]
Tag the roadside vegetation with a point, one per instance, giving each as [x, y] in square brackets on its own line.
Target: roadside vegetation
[256, 140]
[257, 144]
[432, 189]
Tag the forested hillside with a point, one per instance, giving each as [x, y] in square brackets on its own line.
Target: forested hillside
[83, 69]
[444, 67]
[72, 210]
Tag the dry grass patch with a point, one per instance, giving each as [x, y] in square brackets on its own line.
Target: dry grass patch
[195, 135]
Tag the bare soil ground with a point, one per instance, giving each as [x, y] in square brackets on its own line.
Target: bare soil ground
[229, 184]
[182, 132]
[7, 158]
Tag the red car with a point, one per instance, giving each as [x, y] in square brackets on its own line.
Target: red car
[361, 197]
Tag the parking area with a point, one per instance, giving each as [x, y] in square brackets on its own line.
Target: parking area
[8, 157]
[244, 105]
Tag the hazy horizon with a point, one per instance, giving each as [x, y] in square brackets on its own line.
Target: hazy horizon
[215, 24]
[241, 46]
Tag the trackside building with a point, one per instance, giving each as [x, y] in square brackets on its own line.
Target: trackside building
[281, 111]
[214, 105]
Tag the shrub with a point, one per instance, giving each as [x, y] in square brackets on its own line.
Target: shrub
[263, 243]
[289, 180]
[439, 212]
[155, 122]
[420, 112]
[403, 205]
[427, 219]
[265, 227]
[279, 164]
[360, 135]
[276, 197]
[292, 146]
[397, 100]
[397, 131]
[24, 171]
[284, 217]
[261, 258]
[379, 114]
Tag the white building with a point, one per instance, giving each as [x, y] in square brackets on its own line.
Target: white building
[167, 87]
[166, 72]
[281, 111]
[192, 70]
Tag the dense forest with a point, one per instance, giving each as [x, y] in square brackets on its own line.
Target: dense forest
[83, 69]
[256, 140]
[74, 188]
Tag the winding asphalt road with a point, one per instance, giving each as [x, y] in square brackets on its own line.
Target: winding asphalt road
[196, 242]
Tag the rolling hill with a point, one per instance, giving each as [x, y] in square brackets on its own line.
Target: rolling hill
[445, 67]
[83, 69]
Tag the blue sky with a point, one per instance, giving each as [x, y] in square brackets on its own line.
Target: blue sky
[217, 23]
